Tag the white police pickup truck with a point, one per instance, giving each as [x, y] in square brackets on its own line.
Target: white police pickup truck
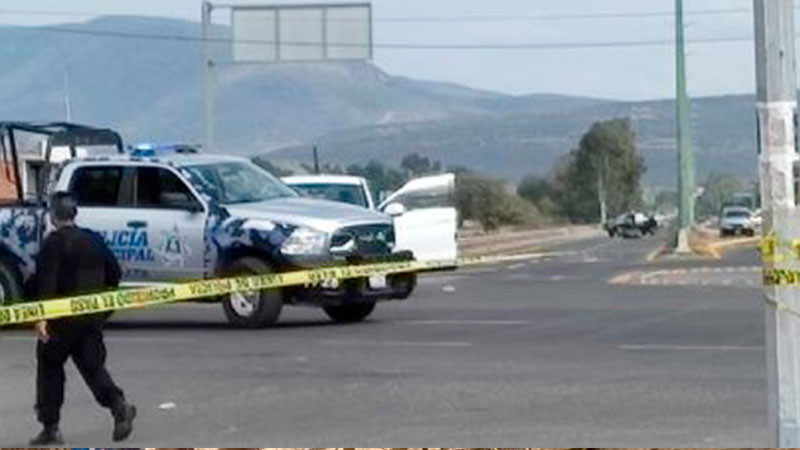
[172, 214]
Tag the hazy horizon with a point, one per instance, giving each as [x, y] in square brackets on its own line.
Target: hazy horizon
[614, 73]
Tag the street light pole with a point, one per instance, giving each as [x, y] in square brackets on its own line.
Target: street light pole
[684, 139]
[209, 77]
[776, 105]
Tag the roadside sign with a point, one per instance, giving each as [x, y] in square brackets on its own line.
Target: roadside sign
[292, 33]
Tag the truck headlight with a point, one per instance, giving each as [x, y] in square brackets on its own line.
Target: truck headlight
[304, 241]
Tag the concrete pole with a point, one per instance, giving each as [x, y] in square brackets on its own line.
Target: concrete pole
[209, 78]
[776, 104]
[684, 138]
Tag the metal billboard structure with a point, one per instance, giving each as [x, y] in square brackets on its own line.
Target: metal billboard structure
[274, 34]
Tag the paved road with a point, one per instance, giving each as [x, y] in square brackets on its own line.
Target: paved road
[544, 353]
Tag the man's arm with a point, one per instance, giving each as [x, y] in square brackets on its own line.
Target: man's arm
[113, 273]
[47, 265]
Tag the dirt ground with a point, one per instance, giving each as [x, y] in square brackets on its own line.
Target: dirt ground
[474, 243]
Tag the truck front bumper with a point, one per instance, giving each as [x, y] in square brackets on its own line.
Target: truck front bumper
[338, 292]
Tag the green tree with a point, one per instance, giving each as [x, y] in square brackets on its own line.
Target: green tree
[719, 189]
[380, 177]
[486, 201]
[417, 165]
[603, 175]
[541, 192]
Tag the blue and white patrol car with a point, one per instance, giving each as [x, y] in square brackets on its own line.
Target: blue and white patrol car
[171, 214]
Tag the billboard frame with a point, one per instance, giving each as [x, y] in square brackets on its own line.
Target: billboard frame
[211, 64]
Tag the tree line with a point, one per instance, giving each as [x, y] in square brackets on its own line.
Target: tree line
[598, 179]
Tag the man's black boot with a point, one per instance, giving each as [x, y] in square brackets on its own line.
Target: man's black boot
[49, 436]
[123, 414]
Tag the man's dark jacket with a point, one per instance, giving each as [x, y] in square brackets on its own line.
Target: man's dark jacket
[75, 261]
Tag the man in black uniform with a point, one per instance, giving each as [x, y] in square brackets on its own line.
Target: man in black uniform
[74, 261]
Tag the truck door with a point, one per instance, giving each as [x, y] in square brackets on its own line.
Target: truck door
[104, 206]
[174, 218]
[428, 224]
[148, 218]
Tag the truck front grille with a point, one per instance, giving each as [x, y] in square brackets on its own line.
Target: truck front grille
[364, 240]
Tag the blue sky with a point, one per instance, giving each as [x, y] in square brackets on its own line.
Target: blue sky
[618, 73]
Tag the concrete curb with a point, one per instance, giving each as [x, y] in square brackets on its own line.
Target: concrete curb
[717, 248]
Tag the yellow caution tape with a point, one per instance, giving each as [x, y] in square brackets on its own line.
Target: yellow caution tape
[144, 297]
[781, 277]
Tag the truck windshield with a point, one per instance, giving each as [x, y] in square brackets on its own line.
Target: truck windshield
[345, 193]
[238, 182]
[737, 214]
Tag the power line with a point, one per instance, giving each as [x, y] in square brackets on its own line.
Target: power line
[395, 46]
[451, 19]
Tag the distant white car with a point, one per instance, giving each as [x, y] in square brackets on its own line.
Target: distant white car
[337, 188]
[737, 220]
[424, 213]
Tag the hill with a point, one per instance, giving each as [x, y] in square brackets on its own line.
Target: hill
[152, 90]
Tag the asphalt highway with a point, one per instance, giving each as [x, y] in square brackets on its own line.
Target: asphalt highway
[545, 353]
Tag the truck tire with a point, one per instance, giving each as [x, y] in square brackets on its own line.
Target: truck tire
[10, 285]
[255, 309]
[406, 282]
[354, 312]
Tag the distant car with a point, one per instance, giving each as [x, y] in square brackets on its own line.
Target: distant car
[737, 220]
[423, 211]
[338, 188]
[631, 225]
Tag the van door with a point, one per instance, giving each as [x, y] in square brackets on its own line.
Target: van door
[428, 225]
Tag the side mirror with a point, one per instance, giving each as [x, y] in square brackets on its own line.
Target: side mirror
[395, 209]
[180, 201]
[194, 208]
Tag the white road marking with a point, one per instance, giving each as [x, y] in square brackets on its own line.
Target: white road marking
[467, 322]
[352, 342]
[518, 277]
[711, 348]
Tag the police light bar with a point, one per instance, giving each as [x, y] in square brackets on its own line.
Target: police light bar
[151, 150]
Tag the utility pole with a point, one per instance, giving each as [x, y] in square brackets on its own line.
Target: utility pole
[776, 105]
[209, 77]
[684, 138]
[67, 98]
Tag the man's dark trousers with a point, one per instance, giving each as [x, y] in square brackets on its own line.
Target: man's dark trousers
[84, 343]
[74, 261]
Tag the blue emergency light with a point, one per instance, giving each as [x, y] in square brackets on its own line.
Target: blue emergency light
[153, 150]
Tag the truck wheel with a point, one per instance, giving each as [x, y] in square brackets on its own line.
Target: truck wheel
[355, 312]
[406, 282]
[254, 309]
[10, 286]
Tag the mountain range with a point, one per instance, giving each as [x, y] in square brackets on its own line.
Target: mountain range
[151, 90]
